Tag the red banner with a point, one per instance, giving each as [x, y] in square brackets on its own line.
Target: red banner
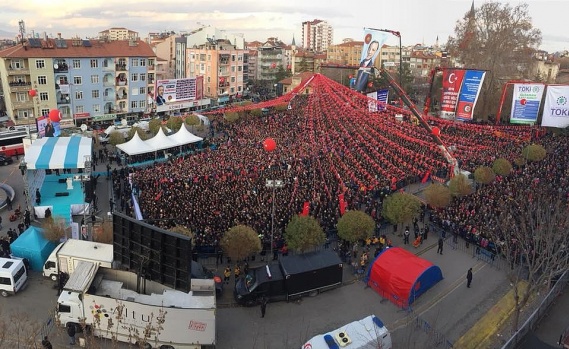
[305, 209]
[452, 81]
[426, 176]
[342, 204]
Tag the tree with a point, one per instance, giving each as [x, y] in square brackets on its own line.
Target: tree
[303, 233]
[303, 65]
[437, 195]
[532, 230]
[256, 112]
[141, 133]
[460, 185]
[174, 123]
[154, 125]
[502, 167]
[282, 73]
[231, 117]
[18, 330]
[116, 137]
[400, 207]
[54, 229]
[499, 39]
[240, 242]
[534, 152]
[355, 225]
[484, 175]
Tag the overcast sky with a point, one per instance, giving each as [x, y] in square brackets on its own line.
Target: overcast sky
[419, 21]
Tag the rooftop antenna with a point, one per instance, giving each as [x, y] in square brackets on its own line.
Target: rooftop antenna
[22, 30]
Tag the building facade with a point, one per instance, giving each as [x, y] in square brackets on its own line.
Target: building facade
[112, 34]
[86, 80]
[346, 53]
[317, 35]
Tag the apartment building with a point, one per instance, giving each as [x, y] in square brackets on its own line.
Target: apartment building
[317, 35]
[118, 33]
[346, 53]
[87, 80]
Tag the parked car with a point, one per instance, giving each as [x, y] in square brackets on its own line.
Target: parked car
[5, 160]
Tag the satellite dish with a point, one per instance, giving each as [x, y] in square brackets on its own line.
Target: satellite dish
[83, 127]
[55, 66]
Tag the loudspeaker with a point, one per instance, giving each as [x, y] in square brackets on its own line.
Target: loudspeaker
[62, 180]
[63, 193]
[88, 192]
[342, 339]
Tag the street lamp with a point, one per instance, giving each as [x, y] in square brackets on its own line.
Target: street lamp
[398, 34]
[24, 170]
[277, 183]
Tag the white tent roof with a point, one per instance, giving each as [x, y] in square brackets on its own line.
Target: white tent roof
[183, 136]
[135, 146]
[58, 152]
[161, 141]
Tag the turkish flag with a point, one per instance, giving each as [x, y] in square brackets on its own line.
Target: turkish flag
[342, 204]
[305, 209]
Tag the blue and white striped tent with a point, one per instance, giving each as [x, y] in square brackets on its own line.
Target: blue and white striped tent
[58, 153]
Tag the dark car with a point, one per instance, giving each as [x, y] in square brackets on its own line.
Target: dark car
[5, 160]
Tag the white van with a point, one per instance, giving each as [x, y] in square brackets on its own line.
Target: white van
[13, 276]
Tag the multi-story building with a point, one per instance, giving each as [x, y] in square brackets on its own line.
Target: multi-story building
[165, 49]
[269, 59]
[346, 53]
[317, 35]
[113, 34]
[87, 80]
[421, 63]
[221, 65]
[251, 66]
[305, 61]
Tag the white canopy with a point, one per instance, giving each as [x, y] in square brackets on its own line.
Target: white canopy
[183, 136]
[135, 146]
[161, 141]
[58, 152]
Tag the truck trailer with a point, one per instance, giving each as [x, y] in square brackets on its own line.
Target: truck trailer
[118, 304]
[293, 277]
[67, 254]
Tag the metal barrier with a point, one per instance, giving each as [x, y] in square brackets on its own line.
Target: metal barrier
[438, 340]
[535, 317]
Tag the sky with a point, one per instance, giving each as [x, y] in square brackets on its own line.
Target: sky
[418, 21]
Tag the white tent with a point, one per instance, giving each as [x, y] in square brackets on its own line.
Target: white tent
[183, 136]
[58, 153]
[135, 146]
[161, 141]
[204, 119]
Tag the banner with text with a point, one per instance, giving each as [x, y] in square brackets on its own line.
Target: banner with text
[469, 92]
[175, 90]
[556, 107]
[380, 96]
[452, 80]
[525, 103]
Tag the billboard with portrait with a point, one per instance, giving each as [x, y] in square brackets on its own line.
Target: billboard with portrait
[373, 41]
[174, 90]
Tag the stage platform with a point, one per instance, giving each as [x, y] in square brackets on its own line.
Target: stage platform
[61, 206]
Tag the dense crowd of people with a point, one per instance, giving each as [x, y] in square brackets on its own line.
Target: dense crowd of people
[327, 145]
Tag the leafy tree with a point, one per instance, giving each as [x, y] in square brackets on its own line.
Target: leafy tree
[534, 152]
[302, 66]
[520, 161]
[174, 123]
[154, 125]
[400, 207]
[281, 74]
[500, 39]
[141, 133]
[192, 120]
[460, 185]
[256, 112]
[355, 225]
[303, 233]
[54, 229]
[240, 241]
[437, 195]
[281, 107]
[484, 175]
[502, 167]
[116, 137]
[231, 116]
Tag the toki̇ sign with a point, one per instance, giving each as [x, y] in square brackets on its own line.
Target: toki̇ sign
[556, 106]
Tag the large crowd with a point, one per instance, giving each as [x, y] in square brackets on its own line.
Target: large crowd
[328, 144]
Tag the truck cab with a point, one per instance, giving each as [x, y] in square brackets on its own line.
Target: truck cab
[267, 281]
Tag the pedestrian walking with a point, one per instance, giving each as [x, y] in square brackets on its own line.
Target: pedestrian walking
[227, 274]
[38, 196]
[46, 344]
[441, 243]
[71, 333]
[237, 272]
[406, 236]
[469, 277]
[263, 306]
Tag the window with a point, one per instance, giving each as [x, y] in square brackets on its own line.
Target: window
[134, 104]
[232, 90]
[76, 64]
[208, 79]
[239, 88]
[142, 104]
[22, 97]
[16, 64]
[44, 112]
[78, 80]
[6, 281]
[143, 62]
[239, 68]
[94, 63]
[79, 109]
[232, 58]
[209, 58]
[233, 79]
[150, 62]
[78, 95]
[23, 114]
[95, 93]
[94, 79]
[142, 77]
[134, 62]
[208, 90]
[134, 77]
[96, 108]
[141, 90]
[44, 96]
[202, 57]
[40, 63]
[42, 80]
[239, 58]
[63, 308]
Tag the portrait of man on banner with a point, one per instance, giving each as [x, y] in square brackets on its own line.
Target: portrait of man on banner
[373, 40]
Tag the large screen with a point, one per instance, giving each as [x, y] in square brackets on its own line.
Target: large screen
[151, 252]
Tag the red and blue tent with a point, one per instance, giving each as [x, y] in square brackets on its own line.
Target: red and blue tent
[401, 277]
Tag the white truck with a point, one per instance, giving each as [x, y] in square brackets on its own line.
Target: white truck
[369, 332]
[107, 303]
[67, 254]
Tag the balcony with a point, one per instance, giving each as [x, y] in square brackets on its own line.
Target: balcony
[109, 98]
[18, 71]
[151, 67]
[61, 68]
[23, 105]
[20, 86]
[120, 67]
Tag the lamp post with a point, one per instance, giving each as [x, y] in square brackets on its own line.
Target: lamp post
[24, 170]
[398, 34]
[276, 183]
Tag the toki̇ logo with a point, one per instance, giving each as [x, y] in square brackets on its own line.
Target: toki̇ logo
[562, 110]
[562, 100]
[536, 89]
